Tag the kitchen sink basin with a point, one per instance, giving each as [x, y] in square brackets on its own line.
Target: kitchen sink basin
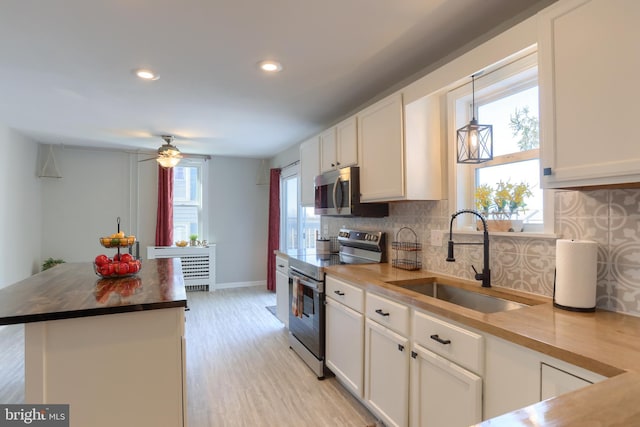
[463, 297]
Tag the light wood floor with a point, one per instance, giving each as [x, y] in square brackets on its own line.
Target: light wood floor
[240, 370]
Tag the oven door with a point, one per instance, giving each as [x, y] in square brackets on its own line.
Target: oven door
[306, 312]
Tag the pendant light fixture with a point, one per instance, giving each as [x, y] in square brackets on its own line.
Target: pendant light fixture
[474, 141]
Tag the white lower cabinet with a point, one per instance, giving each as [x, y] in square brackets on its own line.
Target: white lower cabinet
[387, 374]
[442, 393]
[555, 381]
[413, 368]
[446, 363]
[344, 340]
[345, 345]
[282, 290]
[516, 377]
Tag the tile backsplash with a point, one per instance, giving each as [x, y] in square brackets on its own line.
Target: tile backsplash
[609, 217]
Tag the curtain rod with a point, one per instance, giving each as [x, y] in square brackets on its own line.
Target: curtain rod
[295, 162]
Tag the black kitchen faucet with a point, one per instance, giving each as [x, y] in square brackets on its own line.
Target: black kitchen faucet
[485, 276]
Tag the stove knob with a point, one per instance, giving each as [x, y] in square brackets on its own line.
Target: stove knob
[375, 238]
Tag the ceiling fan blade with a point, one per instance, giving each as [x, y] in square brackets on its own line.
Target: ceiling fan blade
[146, 160]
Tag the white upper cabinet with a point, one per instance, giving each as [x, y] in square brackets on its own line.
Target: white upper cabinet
[399, 150]
[328, 156]
[309, 169]
[380, 141]
[589, 62]
[339, 146]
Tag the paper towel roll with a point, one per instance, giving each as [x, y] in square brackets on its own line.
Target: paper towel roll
[576, 274]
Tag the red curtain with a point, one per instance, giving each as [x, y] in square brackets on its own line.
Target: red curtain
[273, 243]
[164, 218]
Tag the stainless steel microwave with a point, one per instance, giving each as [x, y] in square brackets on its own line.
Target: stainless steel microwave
[337, 193]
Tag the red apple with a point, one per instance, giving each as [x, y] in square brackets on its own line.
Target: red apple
[133, 266]
[122, 268]
[101, 260]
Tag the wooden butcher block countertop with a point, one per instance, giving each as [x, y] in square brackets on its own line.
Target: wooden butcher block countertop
[73, 290]
[604, 342]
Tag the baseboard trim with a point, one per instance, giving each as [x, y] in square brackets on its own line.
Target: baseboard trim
[240, 284]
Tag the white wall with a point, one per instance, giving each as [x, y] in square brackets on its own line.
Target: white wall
[238, 220]
[98, 186]
[20, 211]
[85, 203]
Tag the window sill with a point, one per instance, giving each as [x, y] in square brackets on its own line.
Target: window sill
[521, 235]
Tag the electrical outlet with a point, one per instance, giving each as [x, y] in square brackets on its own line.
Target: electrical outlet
[436, 238]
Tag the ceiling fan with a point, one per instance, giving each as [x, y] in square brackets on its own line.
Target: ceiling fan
[168, 154]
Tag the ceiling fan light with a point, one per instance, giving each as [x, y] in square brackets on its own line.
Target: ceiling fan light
[168, 150]
[168, 162]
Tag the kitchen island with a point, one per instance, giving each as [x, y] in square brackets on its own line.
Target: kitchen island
[113, 349]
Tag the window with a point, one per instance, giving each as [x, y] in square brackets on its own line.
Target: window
[506, 98]
[299, 224]
[189, 178]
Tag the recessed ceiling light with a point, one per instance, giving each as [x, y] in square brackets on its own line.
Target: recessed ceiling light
[270, 66]
[146, 74]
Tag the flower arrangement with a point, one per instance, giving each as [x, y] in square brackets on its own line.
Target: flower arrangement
[503, 201]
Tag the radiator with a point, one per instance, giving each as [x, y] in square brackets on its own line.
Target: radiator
[198, 264]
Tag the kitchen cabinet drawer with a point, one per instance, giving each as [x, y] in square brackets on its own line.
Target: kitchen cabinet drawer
[460, 346]
[349, 295]
[282, 265]
[388, 313]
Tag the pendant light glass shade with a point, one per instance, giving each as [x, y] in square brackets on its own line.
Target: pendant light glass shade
[474, 141]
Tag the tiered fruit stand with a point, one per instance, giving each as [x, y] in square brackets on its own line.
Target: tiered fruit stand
[121, 265]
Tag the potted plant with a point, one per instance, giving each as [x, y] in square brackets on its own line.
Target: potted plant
[50, 262]
[194, 239]
[502, 205]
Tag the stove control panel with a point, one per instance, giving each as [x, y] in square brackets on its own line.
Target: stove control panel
[373, 240]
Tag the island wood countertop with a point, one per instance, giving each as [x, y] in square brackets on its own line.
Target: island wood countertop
[604, 342]
[72, 290]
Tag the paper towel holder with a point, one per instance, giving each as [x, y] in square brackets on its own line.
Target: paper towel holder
[566, 307]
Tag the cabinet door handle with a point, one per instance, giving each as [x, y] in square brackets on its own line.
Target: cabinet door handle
[414, 355]
[382, 313]
[400, 347]
[339, 293]
[440, 340]
[281, 265]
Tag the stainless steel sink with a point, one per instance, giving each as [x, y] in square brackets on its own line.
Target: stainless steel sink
[463, 297]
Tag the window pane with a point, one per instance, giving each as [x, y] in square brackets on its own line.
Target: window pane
[515, 121]
[310, 225]
[185, 184]
[290, 203]
[185, 221]
[515, 173]
[187, 204]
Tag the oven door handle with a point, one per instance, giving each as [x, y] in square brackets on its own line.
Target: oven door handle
[307, 283]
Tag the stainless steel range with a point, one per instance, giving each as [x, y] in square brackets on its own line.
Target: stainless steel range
[306, 290]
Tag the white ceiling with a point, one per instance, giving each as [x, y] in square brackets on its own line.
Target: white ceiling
[66, 66]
